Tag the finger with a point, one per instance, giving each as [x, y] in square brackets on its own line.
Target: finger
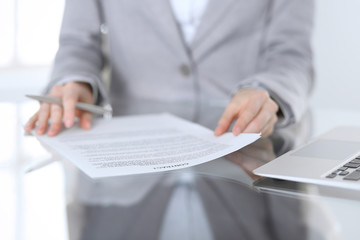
[56, 120]
[258, 122]
[44, 114]
[78, 113]
[85, 93]
[267, 132]
[250, 110]
[32, 121]
[243, 120]
[267, 111]
[85, 120]
[70, 99]
[269, 128]
[226, 119]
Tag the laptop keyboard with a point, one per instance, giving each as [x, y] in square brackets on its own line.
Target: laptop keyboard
[349, 171]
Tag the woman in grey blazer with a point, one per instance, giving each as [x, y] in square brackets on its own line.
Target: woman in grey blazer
[255, 54]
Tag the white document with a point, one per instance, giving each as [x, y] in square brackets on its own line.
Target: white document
[142, 144]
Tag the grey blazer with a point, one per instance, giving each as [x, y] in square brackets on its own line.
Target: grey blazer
[239, 43]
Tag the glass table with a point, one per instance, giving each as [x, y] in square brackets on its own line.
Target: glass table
[221, 199]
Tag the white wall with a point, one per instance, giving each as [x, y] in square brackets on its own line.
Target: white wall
[337, 54]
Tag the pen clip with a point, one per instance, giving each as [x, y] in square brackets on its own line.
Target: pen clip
[108, 115]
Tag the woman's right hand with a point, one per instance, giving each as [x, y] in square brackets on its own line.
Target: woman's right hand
[70, 93]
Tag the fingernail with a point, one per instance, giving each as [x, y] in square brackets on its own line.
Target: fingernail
[217, 131]
[87, 125]
[68, 123]
[39, 130]
[52, 132]
[237, 131]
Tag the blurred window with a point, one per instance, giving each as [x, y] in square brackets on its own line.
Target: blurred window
[29, 32]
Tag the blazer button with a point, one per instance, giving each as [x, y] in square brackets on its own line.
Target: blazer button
[185, 70]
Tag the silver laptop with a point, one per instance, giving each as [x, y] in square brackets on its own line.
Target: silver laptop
[331, 159]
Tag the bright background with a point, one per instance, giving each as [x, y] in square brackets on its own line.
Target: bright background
[337, 54]
[28, 43]
[29, 39]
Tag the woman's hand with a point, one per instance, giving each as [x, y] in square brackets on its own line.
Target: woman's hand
[70, 93]
[253, 110]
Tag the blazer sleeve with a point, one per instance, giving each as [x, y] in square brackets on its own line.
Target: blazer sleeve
[80, 57]
[285, 62]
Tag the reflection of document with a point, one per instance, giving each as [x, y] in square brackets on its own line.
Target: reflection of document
[142, 144]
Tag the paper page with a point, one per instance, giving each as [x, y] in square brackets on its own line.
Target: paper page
[142, 144]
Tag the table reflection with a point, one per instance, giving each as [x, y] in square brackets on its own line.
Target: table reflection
[180, 206]
[215, 200]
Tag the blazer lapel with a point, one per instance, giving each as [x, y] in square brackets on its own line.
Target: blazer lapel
[165, 21]
[213, 14]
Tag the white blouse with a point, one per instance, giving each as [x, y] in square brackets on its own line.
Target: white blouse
[188, 14]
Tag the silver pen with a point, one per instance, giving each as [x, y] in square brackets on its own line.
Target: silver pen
[105, 111]
[40, 165]
[79, 105]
